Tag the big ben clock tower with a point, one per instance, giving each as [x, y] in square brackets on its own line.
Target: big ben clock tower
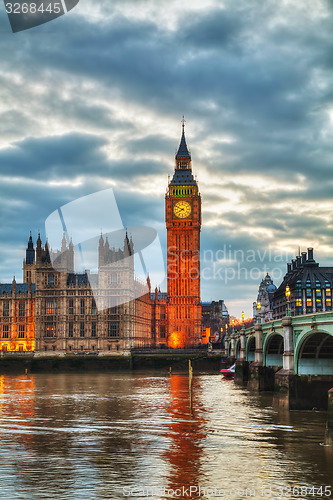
[183, 222]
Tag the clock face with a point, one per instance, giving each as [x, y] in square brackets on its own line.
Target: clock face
[182, 209]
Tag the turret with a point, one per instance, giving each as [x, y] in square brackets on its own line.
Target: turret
[127, 247]
[47, 253]
[71, 257]
[30, 253]
[101, 251]
[63, 243]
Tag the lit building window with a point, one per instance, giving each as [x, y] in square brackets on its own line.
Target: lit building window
[50, 306]
[21, 332]
[298, 302]
[50, 330]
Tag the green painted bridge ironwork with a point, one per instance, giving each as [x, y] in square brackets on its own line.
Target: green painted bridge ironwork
[302, 344]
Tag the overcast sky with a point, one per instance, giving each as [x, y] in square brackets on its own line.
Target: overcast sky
[94, 100]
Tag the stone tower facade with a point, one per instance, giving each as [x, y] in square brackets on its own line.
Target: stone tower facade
[183, 222]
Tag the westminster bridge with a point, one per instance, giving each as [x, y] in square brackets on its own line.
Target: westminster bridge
[292, 356]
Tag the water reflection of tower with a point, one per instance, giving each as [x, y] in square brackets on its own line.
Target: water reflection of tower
[186, 432]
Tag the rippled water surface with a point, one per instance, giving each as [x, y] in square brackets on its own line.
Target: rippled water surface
[111, 435]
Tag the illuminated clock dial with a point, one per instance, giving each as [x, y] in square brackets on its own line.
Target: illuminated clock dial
[182, 209]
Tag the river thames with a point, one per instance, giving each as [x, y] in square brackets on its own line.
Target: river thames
[135, 435]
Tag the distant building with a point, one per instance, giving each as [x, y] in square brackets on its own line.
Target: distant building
[266, 299]
[215, 316]
[310, 286]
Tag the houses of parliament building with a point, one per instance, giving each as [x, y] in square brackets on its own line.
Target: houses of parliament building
[56, 310]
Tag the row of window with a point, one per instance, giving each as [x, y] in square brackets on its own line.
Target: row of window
[51, 306]
[70, 348]
[5, 309]
[5, 331]
[113, 329]
[181, 191]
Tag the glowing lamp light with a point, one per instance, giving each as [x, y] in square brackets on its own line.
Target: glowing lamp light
[287, 294]
[259, 308]
[176, 340]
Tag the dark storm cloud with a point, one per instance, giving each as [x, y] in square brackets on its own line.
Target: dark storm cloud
[219, 28]
[49, 158]
[151, 145]
[68, 156]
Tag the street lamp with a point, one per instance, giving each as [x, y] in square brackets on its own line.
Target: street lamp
[258, 308]
[243, 316]
[287, 293]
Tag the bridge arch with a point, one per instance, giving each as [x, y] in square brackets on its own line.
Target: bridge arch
[273, 349]
[250, 348]
[237, 348]
[314, 353]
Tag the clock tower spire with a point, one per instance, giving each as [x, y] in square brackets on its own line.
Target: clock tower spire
[183, 222]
